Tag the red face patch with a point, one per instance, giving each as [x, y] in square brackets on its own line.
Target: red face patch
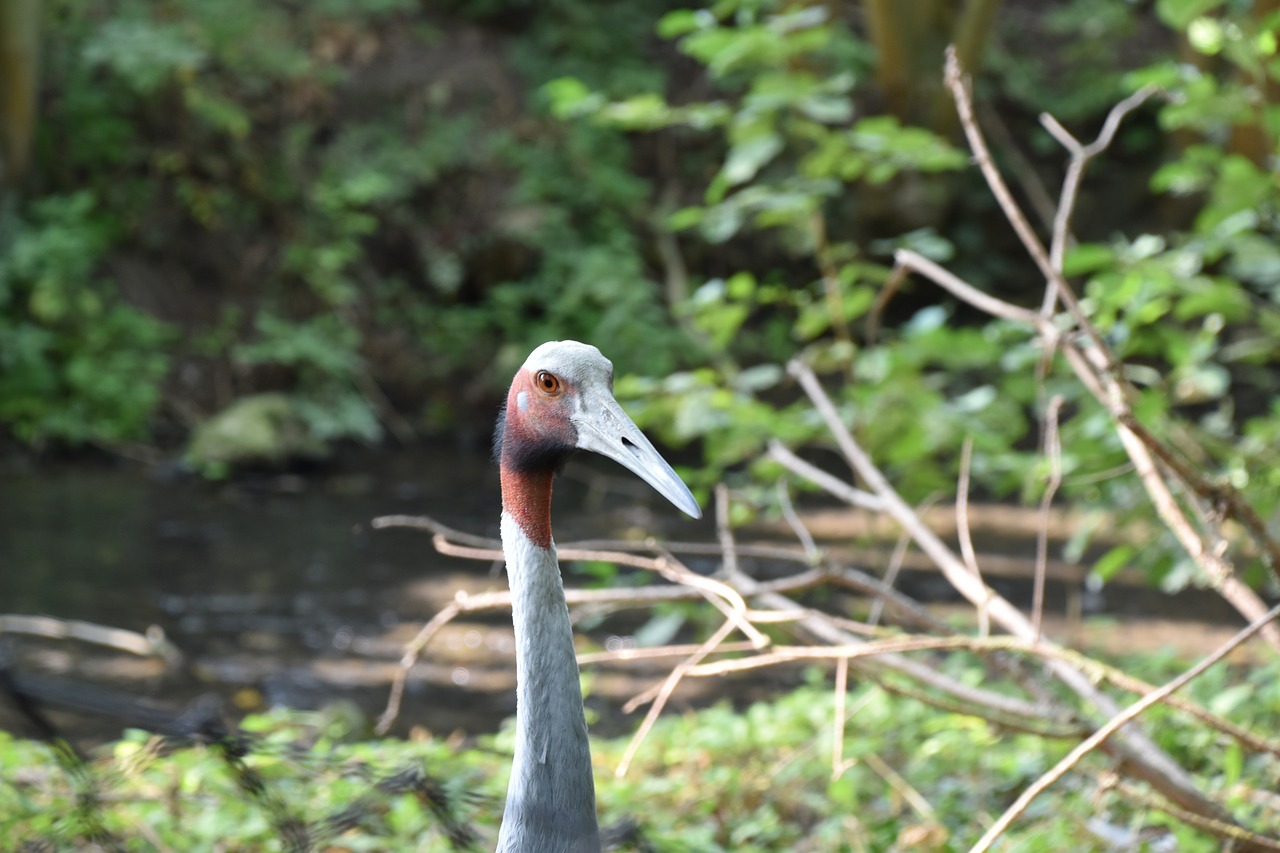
[535, 436]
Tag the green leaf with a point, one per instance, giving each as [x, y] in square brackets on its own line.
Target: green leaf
[747, 157]
[1180, 13]
[683, 21]
[1110, 563]
[1087, 258]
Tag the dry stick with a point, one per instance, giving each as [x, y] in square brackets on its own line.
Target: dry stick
[895, 780]
[1212, 559]
[1090, 366]
[1227, 831]
[1125, 681]
[958, 83]
[664, 693]
[962, 532]
[770, 591]
[978, 701]
[622, 655]
[1058, 287]
[1005, 710]
[1153, 763]
[845, 653]
[960, 288]
[501, 600]
[796, 524]
[896, 559]
[661, 693]
[1215, 565]
[720, 595]
[791, 654]
[1216, 491]
[882, 592]
[871, 329]
[913, 669]
[1112, 726]
[834, 485]
[1053, 452]
[1033, 187]
[1080, 157]
[151, 643]
[838, 765]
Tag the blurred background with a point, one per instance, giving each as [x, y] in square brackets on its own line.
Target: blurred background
[266, 269]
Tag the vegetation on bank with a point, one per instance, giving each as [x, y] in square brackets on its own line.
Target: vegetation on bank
[754, 779]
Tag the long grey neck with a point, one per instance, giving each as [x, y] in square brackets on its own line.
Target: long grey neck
[551, 801]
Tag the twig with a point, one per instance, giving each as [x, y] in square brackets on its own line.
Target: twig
[1080, 157]
[957, 286]
[841, 688]
[895, 780]
[657, 652]
[888, 290]
[793, 521]
[1219, 492]
[1227, 831]
[1111, 727]
[890, 576]
[152, 643]
[664, 693]
[1153, 763]
[854, 497]
[1052, 449]
[966, 540]
[1092, 367]
[1037, 194]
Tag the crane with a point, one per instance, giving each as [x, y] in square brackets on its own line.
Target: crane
[561, 400]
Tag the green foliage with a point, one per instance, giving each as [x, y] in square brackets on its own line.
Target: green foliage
[1192, 312]
[76, 366]
[262, 149]
[755, 779]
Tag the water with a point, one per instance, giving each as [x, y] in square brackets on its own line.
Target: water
[277, 591]
[264, 585]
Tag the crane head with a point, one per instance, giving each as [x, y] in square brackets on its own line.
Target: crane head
[561, 400]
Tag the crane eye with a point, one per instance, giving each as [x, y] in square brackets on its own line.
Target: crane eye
[548, 383]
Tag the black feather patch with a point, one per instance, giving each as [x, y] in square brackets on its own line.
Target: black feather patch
[496, 452]
[523, 453]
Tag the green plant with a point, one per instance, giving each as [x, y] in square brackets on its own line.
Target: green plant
[755, 778]
[76, 366]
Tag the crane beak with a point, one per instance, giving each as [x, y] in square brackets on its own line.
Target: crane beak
[604, 428]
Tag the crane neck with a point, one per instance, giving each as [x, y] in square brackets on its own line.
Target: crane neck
[551, 797]
[526, 497]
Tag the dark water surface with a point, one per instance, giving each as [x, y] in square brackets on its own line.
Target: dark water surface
[277, 591]
[254, 581]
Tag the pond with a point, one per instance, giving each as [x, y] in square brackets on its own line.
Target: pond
[258, 583]
[276, 590]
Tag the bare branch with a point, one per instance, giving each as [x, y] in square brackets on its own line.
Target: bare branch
[965, 291]
[1148, 759]
[664, 693]
[854, 497]
[1080, 157]
[1052, 449]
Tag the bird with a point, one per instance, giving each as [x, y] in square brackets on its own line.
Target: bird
[561, 400]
